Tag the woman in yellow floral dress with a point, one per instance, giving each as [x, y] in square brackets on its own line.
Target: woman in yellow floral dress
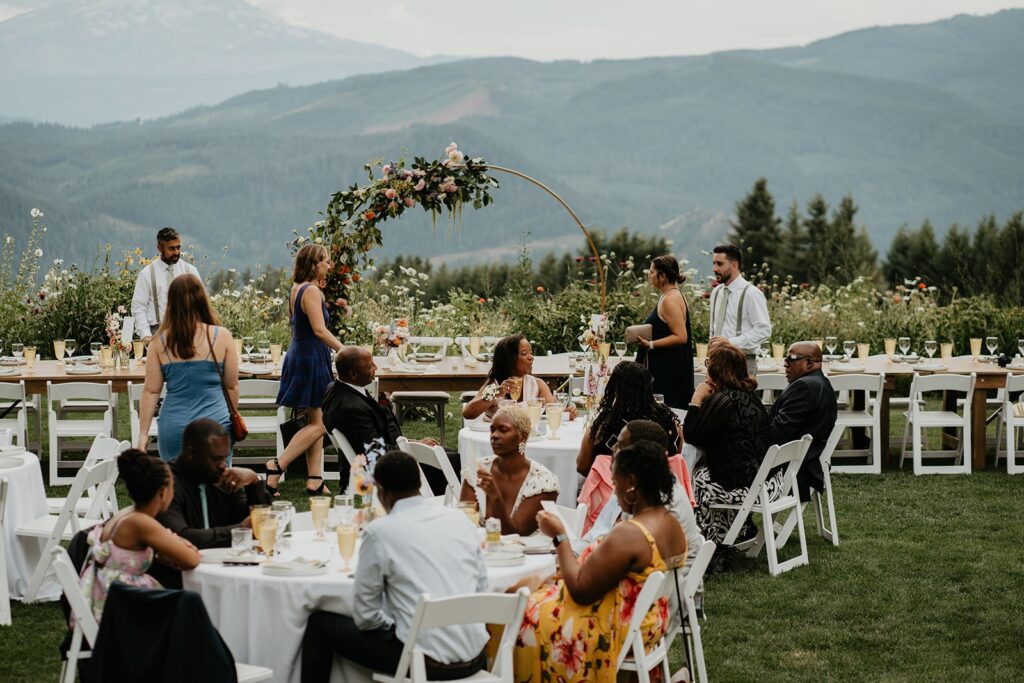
[574, 628]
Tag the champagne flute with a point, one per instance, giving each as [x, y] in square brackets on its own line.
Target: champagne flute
[247, 344]
[830, 344]
[904, 343]
[992, 344]
[930, 346]
[849, 346]
[263, 345]
[620, 349]
[58, 350]
[554, 419]
[347, 533]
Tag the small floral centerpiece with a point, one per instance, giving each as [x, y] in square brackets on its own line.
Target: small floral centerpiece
[595, 333]
[361, 478]
[113, 328]
[392, 335]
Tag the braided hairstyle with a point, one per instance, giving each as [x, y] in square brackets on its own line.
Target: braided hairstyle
[646, 462]
[143, 474]
[506, 356]
[630, 396]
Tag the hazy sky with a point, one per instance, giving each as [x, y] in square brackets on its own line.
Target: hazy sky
[589, 29]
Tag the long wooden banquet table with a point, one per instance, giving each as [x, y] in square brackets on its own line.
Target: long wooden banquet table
[452, 374]
[988, 376]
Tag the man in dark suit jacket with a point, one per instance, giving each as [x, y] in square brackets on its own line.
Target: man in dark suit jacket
[360, 417]
[807, 406]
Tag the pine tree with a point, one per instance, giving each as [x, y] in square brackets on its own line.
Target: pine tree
[953, 266]
[1008, 266]
[792, 259]
[913, 253]
[819, 240]
[984, 250]
[756, 228]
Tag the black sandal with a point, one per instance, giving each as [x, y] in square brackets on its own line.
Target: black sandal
[273, 473]
[319, 490]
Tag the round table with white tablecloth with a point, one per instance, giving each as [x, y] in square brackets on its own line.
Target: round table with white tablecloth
[26, 500]
[558, 455]
[262, 618]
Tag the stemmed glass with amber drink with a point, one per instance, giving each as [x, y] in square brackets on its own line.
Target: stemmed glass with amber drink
[319, 507]
[58, 350]
[517, 388]
[554, 411]
[347, 533]
[268, 531]
[256, 514]
[138, 348]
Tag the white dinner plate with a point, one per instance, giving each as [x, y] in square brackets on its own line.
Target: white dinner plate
[233, 555]
[12, 450]
[538, 544]
[11, 360]
[504, 558]
[769, 366]
[932, 367]
[8, 371]
[250, 369]
[297, 567]
[10, 461]
[848, 367]
[83, 370]
[83, 360]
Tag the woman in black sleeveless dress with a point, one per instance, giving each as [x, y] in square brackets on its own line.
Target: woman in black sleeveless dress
[669, 353]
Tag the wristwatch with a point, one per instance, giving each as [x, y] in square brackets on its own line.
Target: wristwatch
[650, 344]
[559, 539]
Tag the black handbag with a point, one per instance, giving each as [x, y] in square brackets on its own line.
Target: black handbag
[289, 428]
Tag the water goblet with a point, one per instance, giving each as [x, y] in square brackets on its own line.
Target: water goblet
[620, 349]
[992, 344]
[263, 346]
[904, 343]
[94, 350]
[849, 346]
[269, 532]
[344, 511]
[286, 512]
[830, 344]
[18, 351]
[247, 344]
[930, 346]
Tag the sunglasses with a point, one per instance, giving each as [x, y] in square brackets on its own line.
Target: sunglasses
[792, 359]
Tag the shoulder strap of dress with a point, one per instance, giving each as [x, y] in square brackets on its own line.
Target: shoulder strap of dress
[646, 533]
[298, 296]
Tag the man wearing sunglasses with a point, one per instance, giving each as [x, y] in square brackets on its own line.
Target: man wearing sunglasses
[807, 406]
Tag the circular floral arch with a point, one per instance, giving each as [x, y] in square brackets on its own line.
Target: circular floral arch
[350, 227]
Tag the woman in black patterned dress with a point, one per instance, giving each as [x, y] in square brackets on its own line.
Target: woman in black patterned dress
[727, 420]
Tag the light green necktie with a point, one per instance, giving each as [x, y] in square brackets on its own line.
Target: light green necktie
[202, 501]
[720, 311]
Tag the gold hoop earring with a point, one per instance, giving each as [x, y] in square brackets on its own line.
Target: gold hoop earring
[627, 501]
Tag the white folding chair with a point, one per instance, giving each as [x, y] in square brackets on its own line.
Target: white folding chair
[919, 419]
[634, 656]
[431, 456]
[479, 608]
[691, 627]
[135, 392]
[57, 528]
[827, 528]
[769, 385]
[463, 343]
[70, 394]
[261, 394]
[869, 417]
[5, 596]
[439, 343]
[87, 628]
[790, 455]
[344, 448]
[17, 419]
[103, 448]
[1012, 419]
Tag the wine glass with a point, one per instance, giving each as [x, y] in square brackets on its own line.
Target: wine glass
[489, 343]
[930, 346]
[904, 344]
[344, 511]
[285, 511]
[620, 349]
[1020, 346]
[263, 345]
[849, 346]
[415, 343]
[247, 344]
[347, 543]
[94, 350]
[554, 419]
[1, 347]
[991, 343]
[70, 346]
[18, 351]
[563, 397]
[830, 344]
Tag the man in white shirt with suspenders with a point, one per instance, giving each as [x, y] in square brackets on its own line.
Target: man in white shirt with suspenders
[739, 311]
[149, 302]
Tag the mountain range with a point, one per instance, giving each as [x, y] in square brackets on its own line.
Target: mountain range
[914, 121]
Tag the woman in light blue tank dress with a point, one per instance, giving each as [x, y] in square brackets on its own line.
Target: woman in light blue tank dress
[181, 357]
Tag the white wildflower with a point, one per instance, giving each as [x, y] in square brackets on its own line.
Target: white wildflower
[36, 213]
[39, 253]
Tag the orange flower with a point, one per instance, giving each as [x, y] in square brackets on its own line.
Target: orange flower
[342, 269]
[540, 289]
[356, 277]
[922, 286]
[369, 215]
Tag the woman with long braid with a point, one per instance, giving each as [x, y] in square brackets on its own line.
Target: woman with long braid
[628, 396]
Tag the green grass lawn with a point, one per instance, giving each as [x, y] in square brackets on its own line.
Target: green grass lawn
[927, 584]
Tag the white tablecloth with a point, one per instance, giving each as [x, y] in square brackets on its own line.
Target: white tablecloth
[26, 500]
[262, 618]
[558, 455]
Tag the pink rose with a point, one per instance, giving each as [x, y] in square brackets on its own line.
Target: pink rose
[386, 169]
[420, 185]
[389, 193]
[410, 202]
[393, 206]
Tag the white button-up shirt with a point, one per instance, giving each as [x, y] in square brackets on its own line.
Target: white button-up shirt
[757, 328]
[142, 300]
[420, 548]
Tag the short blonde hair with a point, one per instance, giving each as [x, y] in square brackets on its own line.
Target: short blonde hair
[520, 420]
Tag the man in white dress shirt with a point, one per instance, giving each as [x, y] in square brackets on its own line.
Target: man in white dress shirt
[418, 548]
[739, 311]
[149, 302]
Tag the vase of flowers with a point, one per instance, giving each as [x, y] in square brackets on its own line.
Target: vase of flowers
[391, 339]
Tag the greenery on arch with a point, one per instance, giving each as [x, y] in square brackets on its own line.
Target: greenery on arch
[351, 224]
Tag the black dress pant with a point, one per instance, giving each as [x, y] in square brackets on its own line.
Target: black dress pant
[329, 634]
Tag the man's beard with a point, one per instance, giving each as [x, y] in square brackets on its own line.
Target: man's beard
[171, 260]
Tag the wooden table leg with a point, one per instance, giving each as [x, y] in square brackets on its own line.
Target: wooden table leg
[978, 408]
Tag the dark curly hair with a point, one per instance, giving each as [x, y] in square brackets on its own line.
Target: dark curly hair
[630, 396]
[646, 461]
[143, 474]
[506, 355]
[649, 430]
